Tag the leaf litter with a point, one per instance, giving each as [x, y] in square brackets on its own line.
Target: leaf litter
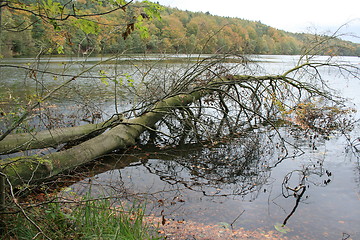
[191, 230]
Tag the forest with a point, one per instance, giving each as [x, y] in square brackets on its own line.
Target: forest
[176, 31]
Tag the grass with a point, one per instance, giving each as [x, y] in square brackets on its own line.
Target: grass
[89, 219]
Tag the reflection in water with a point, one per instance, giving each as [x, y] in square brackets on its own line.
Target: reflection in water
[296, 182]
[237, 182]
[238, 169]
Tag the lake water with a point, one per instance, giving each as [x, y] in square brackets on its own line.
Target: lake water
[240, 182]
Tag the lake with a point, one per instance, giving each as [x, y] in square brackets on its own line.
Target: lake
[235, 183]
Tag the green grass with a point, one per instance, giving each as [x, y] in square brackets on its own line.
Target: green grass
[90, 219]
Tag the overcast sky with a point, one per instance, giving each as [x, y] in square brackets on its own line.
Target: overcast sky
[295, 16]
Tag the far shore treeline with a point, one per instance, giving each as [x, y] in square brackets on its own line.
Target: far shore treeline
[177, 32]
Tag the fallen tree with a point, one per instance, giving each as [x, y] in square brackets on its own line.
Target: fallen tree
[238, 100]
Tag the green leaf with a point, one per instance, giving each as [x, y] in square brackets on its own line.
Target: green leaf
[153, 10]
[130, 80]
[120, 81]
[143, 30]
[60, 49]
[104, 81]
[87, 26]
[103, 77]
[282, 228]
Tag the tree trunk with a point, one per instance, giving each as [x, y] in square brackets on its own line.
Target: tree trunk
[52, 138]
[28, 169]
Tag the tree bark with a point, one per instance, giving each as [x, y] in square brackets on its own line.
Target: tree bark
[30, 169]
[53, 137]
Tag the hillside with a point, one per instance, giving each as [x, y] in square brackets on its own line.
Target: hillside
[176, 32]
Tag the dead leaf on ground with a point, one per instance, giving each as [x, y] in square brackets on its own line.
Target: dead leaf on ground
[175, 230]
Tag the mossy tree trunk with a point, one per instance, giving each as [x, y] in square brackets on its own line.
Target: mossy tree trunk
[29, 169]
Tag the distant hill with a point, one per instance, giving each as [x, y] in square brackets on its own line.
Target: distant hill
[177, 32]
